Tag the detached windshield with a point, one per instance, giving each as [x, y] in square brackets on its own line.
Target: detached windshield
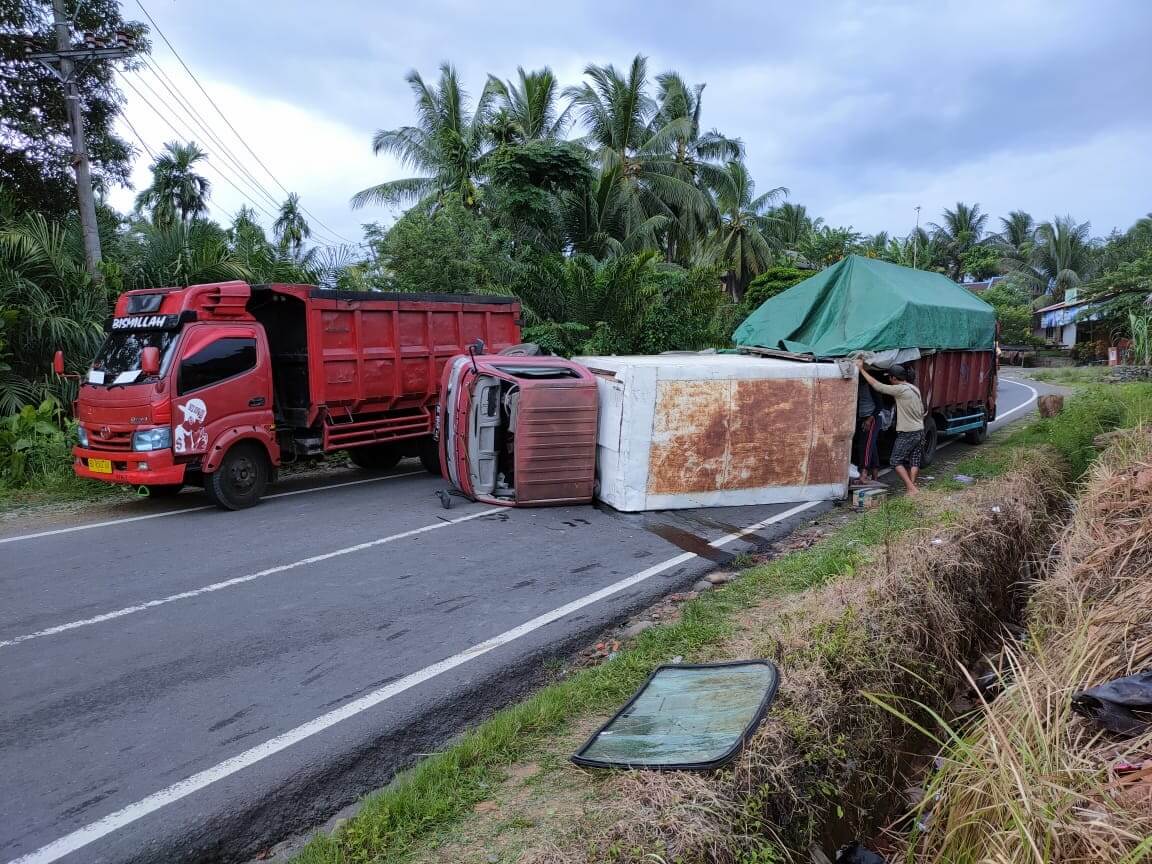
[119, 359]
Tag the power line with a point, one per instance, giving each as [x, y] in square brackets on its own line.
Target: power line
[240, 137]
[139, 137]
[193, 133]
[198, 119]
[182, 137]
[213, 138]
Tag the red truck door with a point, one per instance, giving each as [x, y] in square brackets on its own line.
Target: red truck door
[224, 381]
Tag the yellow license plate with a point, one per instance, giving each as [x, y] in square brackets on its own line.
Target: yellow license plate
[100, 466]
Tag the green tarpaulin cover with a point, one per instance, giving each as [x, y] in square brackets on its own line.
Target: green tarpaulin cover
[861, 304]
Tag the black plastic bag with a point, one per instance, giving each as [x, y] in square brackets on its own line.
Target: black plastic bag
[857, 854]
[1123, 705]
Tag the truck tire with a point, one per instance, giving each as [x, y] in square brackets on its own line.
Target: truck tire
[241, 479]
[977, 436]
[430, 457]
[931, 438]
[376, 457]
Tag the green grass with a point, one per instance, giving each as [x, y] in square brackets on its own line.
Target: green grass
[64, 488]
[1070, 374]
[444, 787]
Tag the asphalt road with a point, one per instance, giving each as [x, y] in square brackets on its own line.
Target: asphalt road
[184, 684]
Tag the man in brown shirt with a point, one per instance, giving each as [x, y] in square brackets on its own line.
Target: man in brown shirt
[908, 449]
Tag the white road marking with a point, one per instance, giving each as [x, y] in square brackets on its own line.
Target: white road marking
[80, 838]
[1035, 395]
[240, 580]
[194, 509]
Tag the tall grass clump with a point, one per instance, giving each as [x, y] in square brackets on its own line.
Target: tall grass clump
[1030, 782]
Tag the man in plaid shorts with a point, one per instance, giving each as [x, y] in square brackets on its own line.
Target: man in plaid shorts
[908, 449]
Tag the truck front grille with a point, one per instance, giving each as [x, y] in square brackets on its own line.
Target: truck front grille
[116, 441]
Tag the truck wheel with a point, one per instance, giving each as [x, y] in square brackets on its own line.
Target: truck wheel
[977, 436]
[241, 479]
[931, 437]
[430, 457]
[377, 457]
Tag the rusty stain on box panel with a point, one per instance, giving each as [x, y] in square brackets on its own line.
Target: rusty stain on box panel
[747, 434]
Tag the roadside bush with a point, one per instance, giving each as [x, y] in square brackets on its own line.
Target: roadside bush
[33, 446]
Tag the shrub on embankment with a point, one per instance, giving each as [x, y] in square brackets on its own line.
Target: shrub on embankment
[1029, 781]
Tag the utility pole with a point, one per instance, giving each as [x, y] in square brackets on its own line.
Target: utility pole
[916, 242]
[62, 64]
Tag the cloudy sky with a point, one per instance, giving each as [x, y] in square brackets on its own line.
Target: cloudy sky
[864, 110]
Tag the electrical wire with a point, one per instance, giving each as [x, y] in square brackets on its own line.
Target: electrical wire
[192, 133]
[182, 137]
[210, 134]
[240, 137]
[138, 136]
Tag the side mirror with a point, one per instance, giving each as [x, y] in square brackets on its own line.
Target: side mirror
[58, 363]
[150, 360]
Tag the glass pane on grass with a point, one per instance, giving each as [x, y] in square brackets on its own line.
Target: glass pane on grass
[685, 717]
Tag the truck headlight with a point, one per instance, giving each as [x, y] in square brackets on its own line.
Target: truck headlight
[82, 437]
[152, 439]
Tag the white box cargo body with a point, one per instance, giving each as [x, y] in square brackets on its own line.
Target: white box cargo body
[717, 430]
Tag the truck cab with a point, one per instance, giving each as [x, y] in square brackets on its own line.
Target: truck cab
[180, 392]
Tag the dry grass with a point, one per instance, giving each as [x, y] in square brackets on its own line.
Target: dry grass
[1030, 782]
[827, 758]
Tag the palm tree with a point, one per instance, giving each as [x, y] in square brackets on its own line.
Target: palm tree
[698, 157]
[1061, 257]
[177, 193]
[826, 245]
[528, 110]
[597, 220]
[180, 254]
[738, 243]
[447, 145]
[631, 144]
[963, 228]
[291, 228]
[788, 224]
[50, 302]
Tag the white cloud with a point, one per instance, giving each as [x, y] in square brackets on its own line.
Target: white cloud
[325, 162]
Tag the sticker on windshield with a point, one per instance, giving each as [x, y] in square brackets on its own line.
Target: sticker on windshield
[191, 436]
[95, 376]
[127, 377]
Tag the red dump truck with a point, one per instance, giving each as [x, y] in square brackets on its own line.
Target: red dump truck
[220, 384]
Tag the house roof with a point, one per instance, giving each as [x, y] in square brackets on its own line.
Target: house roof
[1063, 305]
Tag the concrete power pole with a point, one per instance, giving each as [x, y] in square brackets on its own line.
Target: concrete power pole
[62, 64]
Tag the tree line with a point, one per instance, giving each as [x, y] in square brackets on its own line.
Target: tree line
[621, 219]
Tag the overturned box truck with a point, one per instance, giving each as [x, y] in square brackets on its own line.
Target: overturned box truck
[769, 422]
[220, 384]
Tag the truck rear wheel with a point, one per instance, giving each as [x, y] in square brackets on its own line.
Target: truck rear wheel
[430, 457]
[931, 437]
[241, 479]
[977, 436]
[375, 457]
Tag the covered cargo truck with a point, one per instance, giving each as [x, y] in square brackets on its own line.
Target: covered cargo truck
[221, 383]
[924, 320]
[717, 430]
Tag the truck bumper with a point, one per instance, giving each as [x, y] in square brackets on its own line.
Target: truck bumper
[148, 468]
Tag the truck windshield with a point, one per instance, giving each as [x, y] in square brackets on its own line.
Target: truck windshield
[119, 359]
